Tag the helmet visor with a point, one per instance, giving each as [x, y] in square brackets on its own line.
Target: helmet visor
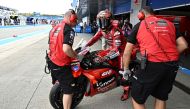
[103, 23]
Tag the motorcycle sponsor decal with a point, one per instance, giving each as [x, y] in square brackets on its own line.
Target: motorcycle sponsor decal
[106, 73]
[108, 87]
[75, 68]
[104, 82]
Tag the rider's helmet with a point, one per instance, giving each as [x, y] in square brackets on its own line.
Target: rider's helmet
[103, 19]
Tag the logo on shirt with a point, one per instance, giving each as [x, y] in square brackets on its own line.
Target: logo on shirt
[56, 32]
[72, 35]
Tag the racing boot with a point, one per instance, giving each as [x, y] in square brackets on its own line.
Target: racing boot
[125, 94]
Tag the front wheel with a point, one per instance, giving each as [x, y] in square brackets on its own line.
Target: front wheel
[56, 95]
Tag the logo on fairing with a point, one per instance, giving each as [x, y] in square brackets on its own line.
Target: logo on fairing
[75, 68]
[103, 84]
[106, 73]
[106, 85]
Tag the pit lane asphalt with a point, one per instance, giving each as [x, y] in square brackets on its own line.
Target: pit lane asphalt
[24, 85]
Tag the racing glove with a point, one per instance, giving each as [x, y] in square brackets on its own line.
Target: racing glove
[126, 74]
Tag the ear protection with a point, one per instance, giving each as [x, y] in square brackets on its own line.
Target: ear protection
[73, 17]
[141, 15]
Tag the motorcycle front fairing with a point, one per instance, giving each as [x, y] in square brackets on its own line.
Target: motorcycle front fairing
[101, 80]
[101, 76]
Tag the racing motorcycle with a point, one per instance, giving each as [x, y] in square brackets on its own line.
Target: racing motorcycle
[91, 78]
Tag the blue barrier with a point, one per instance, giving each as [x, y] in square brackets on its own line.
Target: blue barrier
[77, 29]
[88, 29]
[184, 70]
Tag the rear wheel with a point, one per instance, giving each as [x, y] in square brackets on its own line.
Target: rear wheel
[56, 95]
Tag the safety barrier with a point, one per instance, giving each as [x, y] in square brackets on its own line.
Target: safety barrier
[88, 29]
[77, 29]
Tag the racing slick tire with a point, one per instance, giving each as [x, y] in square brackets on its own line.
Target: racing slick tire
[56, 95]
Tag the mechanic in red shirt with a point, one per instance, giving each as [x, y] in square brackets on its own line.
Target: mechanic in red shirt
[61, 39]
[159, 48]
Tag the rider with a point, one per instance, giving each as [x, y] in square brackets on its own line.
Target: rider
[109, 29]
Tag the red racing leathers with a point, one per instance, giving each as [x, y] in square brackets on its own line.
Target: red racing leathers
[115, 40]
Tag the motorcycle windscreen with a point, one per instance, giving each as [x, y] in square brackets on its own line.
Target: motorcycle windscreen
[89, 63]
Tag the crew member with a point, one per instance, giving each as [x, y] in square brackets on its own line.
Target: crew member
[60, 54]
[159, 49]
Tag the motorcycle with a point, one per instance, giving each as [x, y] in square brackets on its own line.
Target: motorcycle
[92, 78]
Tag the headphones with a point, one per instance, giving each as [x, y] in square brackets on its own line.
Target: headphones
[141, 15]
[73, 16]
